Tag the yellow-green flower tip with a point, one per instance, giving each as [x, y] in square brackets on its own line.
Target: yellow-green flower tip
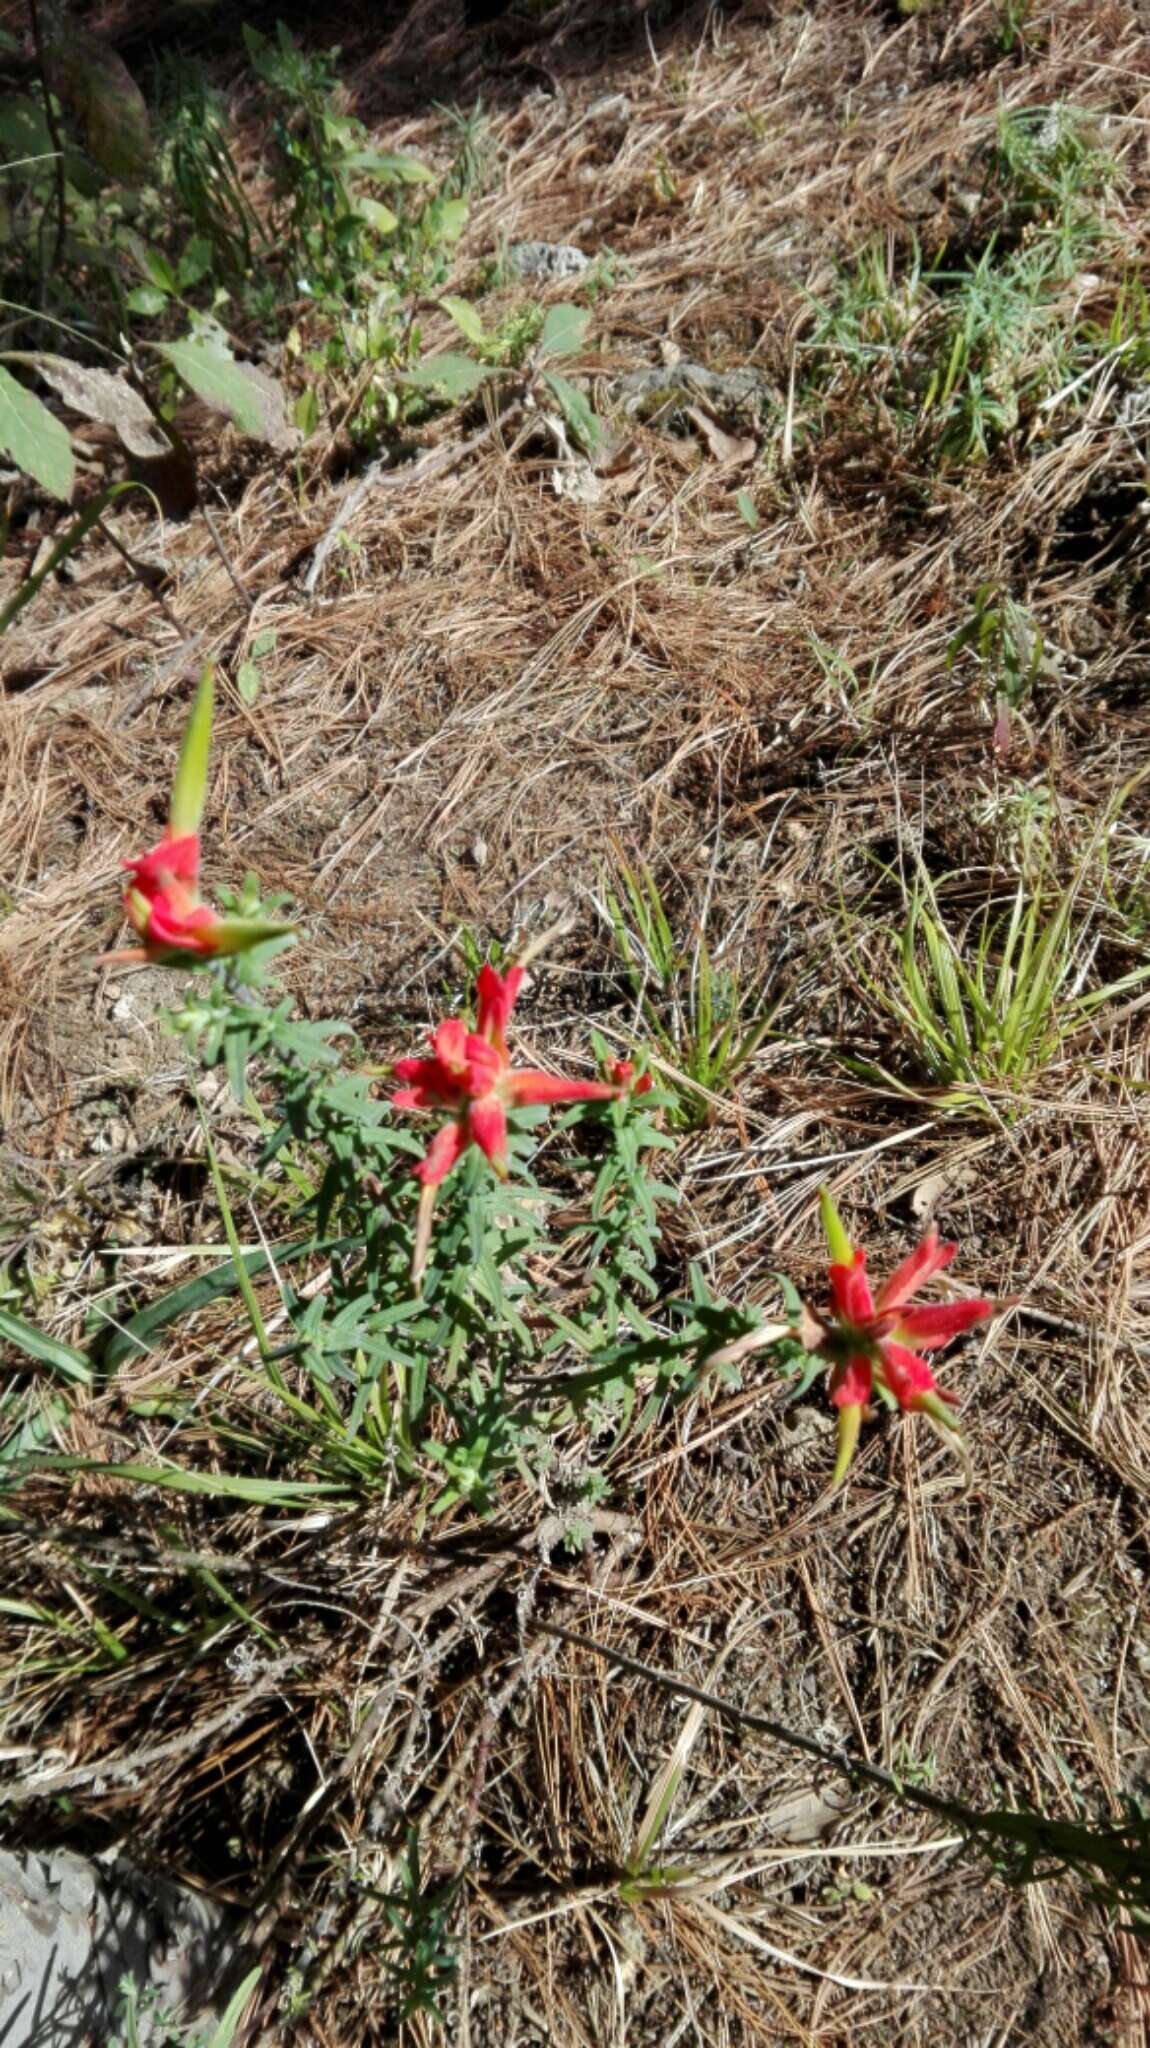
[850, 1422]
[838, 1243]
[190, 788]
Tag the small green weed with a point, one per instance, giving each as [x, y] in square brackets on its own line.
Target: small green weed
[987, 1006]
[144, 2021]
[704, 1026]
[421, 1958]
[960, 355]
[1053, 175]
[1006, 641]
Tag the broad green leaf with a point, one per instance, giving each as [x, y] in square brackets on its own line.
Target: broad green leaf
[25, 140]
[381, 218]
[72, 1365]
[248, 681]
[390, 165]
[34, 438]
[98, 91]
[457, 376]
[466, 319]
[575, 409]
[160, 270]
[748, 508]
[451, 219]
[190, 787]
[248, 395]
[146, 300]
[264, 643]
[195, 262]
[306, 412]
[564, 330]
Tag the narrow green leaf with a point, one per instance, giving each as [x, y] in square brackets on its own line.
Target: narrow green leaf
[239, 934]
[141, 1331]
[834, 1230]
[72, 1365]
[575, 409]
[190, 787]
[34, 438]
[225, 2033]
[217, 1485]
[66, 545]
[466, 319]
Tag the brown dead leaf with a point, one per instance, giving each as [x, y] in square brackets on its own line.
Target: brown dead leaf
[103, 395]
[727, 449]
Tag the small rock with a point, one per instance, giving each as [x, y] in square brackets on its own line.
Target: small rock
[613, 110]
[71, 1928]
[547, 260]
[660, 396]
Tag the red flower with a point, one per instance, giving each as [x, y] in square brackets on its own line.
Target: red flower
[163, 904]
[470, 1075]
[876, 1341]
[163, 907]
[622, 1073]
[162, 900]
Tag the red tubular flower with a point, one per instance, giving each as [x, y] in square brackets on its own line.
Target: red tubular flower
[622, 1073]
[876, 1341]
[470, 1075]
[162, 900]
[163, 904]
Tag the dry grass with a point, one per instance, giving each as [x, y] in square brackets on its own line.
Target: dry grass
[496, 686]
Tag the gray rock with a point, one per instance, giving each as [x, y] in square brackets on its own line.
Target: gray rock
[612, 111]
[546, 260]
[71, 1929]
[733, 396]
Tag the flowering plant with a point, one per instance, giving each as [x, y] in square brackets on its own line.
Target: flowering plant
[461, 1327]
[874, 1343]
[162, 901]
[470, 1076]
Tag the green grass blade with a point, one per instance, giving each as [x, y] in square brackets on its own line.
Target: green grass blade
[225, 2033]
[140, 1332]
[243, 1277]
[70, 1364]
[216, 1485]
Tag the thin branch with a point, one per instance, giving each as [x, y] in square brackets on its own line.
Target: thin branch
[56, 139]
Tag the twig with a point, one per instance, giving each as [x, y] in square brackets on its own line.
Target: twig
[244, 596]
[55, 138]
[378, 477]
